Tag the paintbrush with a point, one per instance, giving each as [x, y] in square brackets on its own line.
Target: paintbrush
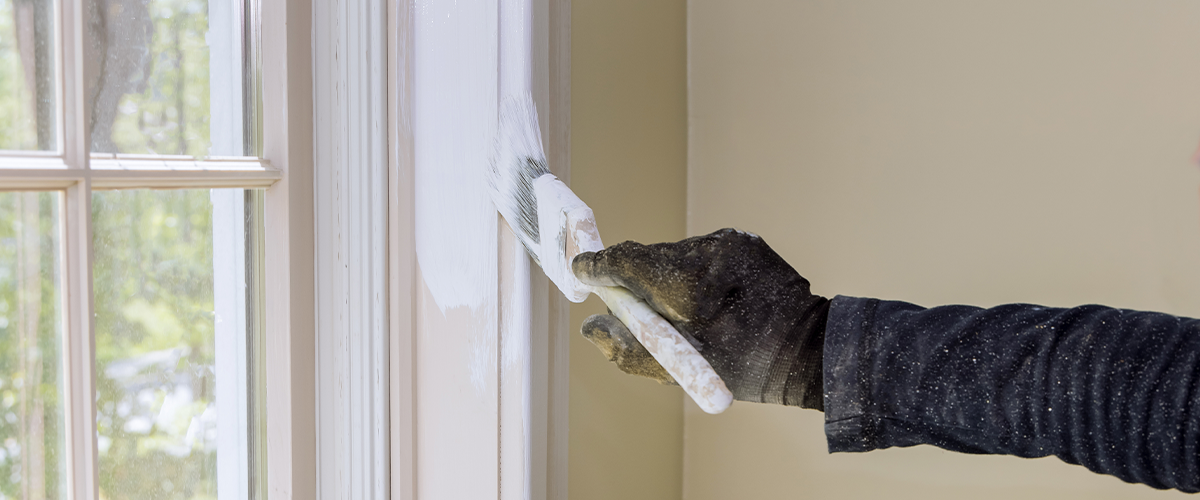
[554, 225]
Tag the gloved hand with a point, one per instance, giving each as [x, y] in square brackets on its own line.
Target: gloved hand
[744, 308]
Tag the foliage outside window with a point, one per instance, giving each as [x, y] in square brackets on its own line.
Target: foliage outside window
[147, 70]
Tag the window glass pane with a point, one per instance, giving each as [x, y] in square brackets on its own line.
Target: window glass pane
[171, 77]
[31, 413]
[27, 72]
[175, 353]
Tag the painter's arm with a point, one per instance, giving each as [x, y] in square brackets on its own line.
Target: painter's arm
[1114, 390]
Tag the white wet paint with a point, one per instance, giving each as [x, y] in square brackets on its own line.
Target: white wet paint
[454, 116]
[454, 104]
[474, 362]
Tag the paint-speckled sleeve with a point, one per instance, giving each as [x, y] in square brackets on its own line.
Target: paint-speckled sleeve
[1113, 390]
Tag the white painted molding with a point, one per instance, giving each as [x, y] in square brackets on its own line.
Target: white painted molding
[479, 381]
[402, 264]
[552, 72]
[287, 120]
[521, 320]
[352, 241]
[232, 347]
[82, 469]
[78, 345]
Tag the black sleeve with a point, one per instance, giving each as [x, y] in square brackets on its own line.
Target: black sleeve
[1110, 389]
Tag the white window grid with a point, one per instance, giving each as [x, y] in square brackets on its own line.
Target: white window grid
[288, 274]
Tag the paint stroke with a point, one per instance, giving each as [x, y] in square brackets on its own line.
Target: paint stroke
[454, 107]
[454, 116]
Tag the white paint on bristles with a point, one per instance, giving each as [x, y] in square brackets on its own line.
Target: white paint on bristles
[566, 227]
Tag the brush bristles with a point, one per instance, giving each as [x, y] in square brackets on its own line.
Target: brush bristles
[518, 160]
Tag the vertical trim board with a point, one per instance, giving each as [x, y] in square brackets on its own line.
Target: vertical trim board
[454, 108]
[478, 353]
[401, 252]
[232, 351]
[351, 227]
[287, 106]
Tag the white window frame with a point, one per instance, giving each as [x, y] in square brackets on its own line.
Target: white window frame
[287, 120]
[532, 447]
[285, 170]
[351, 200]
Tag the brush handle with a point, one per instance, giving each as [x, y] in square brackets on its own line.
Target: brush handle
[669, 348]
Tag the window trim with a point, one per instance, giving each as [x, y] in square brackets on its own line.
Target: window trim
[287, 118]
[401, 257]
[536, 463]
[351, 200]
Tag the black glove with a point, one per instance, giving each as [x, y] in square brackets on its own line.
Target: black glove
[744, 308]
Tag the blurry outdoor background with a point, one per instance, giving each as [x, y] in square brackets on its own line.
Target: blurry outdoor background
[156, 413]
[153, 265]
[31, 418]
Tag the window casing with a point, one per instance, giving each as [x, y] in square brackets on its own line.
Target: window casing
[522, 452]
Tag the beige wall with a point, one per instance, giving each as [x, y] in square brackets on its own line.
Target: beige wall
[941, 152]
[628, 162]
